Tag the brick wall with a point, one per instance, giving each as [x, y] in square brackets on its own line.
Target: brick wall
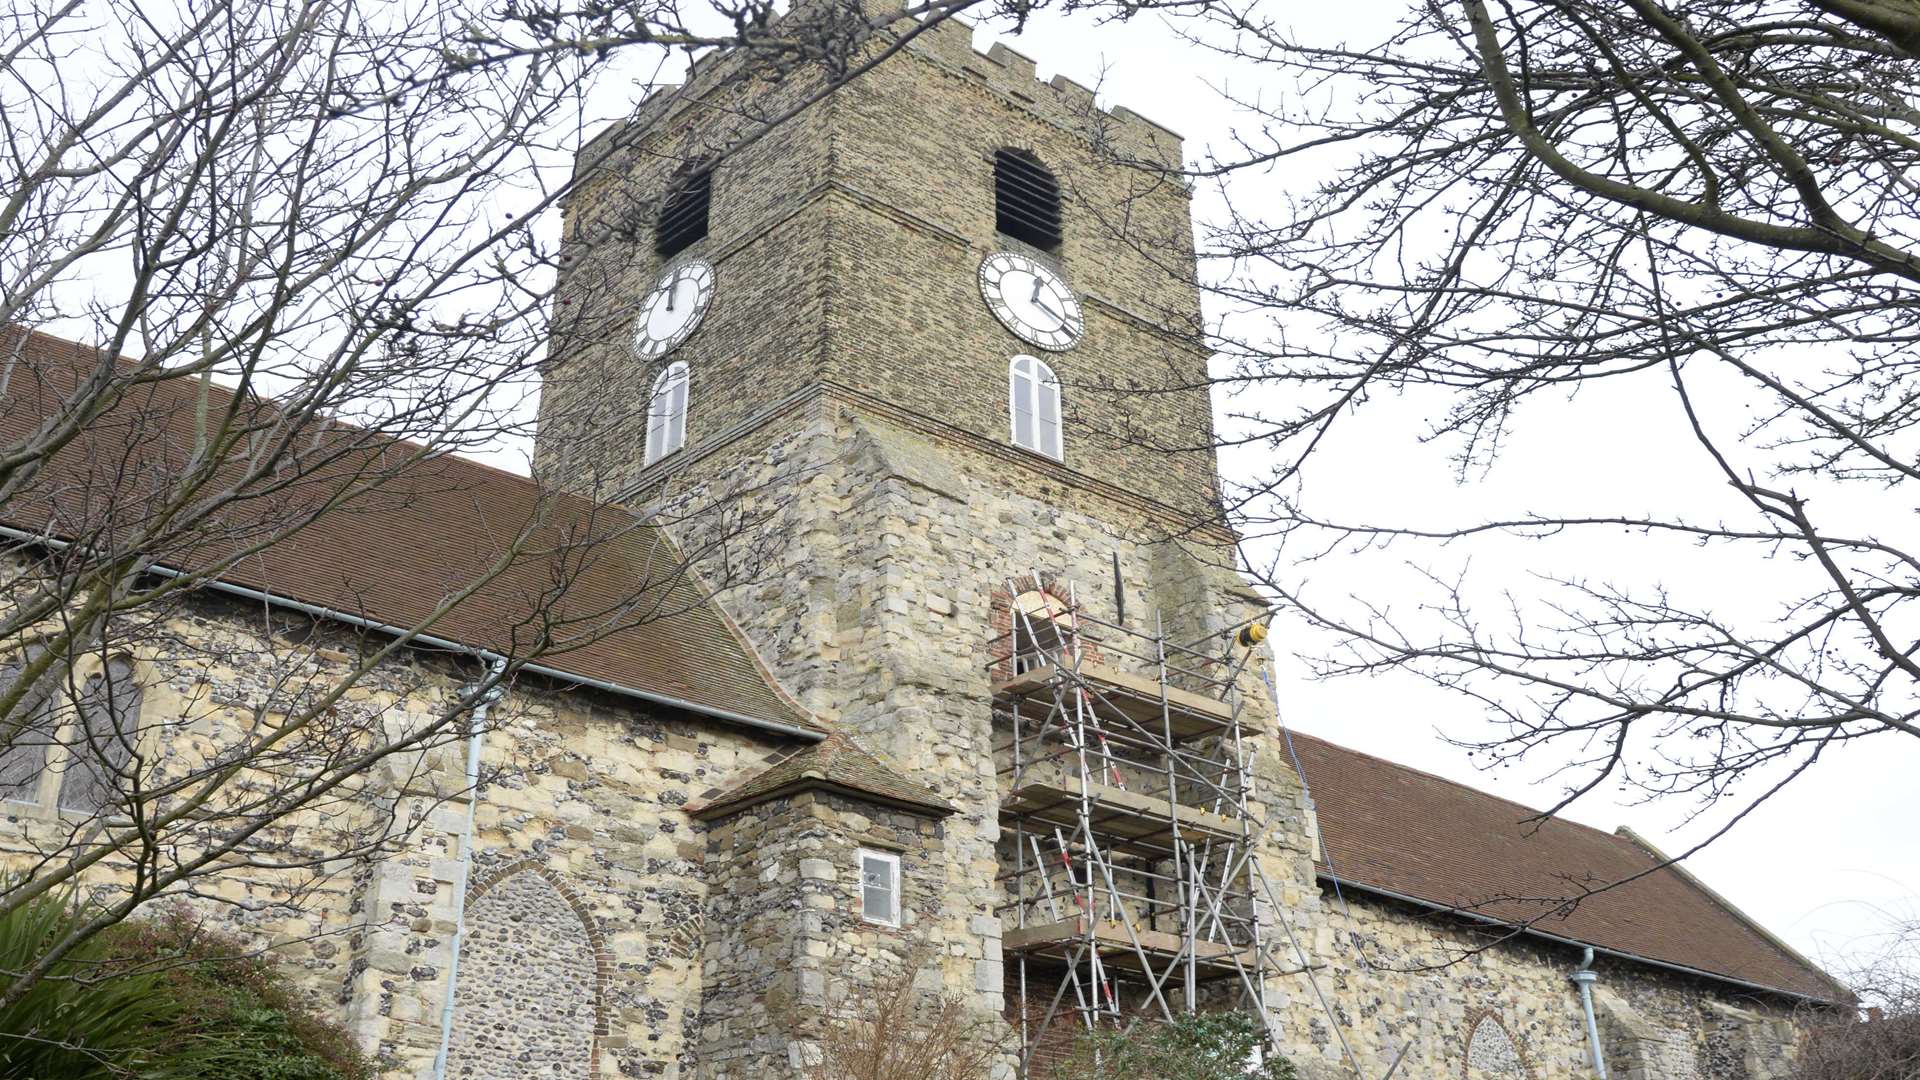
[847, 245]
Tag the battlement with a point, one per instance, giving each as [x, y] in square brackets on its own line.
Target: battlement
[1060, 99]
[1003, 70]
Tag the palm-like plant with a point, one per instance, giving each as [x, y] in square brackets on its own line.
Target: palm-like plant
[86, 1019]
[156, 999]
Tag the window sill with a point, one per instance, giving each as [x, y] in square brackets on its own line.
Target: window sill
[1041, 454]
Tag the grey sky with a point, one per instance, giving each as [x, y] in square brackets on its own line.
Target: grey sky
[1831, 861]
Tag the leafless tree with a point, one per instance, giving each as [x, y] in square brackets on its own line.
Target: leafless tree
[1500, 206]
[1885, 1042]
[306, 250]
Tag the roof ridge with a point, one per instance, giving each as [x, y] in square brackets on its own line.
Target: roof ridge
[1374, 813]
[814, 763]
[327, 418]
[436, 526]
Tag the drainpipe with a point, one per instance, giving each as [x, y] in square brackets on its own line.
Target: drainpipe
[478, 726]
[1586, 977]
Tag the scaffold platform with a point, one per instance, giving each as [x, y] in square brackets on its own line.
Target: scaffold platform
[1140, 951]
[1128, 823]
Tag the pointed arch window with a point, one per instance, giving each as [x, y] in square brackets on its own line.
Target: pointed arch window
[1034, 402]
[1042, 630]
[667, 412]
[1491, 1051]
[107, 724]
[1026, 199]
[71, 748]
[27, 736]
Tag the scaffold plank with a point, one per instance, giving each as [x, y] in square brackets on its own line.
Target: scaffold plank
[1131, 819]
[1117, 949]
[1136, 697]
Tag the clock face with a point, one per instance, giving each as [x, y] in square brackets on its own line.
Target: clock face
[672, 311]
[1032, 300]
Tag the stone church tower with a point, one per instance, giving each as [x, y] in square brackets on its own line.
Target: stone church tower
[933, 339]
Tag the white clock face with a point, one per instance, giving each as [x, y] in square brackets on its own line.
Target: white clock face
[1032, 300]
[672, 311]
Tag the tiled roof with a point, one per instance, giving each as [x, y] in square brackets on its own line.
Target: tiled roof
[1397, 830]
[835, 763]
[605, 588]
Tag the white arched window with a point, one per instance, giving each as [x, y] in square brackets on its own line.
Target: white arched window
[1034, 395]
[667, 412]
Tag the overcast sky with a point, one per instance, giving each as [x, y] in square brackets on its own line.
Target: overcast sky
[1828, 863]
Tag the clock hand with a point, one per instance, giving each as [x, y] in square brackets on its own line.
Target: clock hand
[1042, 305]
[672, 288]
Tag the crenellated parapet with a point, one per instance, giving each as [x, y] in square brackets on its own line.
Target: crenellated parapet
[1060, 100]
[1006, 72]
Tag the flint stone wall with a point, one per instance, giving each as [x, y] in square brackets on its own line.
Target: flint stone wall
[789, 947]
[581, 790]
[1399, 976]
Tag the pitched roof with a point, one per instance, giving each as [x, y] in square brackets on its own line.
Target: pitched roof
[836, 763]
[603, 587]
[1397, 830]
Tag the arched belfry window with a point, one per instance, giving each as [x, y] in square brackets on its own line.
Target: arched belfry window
[667, 412]
[683, 214]
[1034, 400]
[1026, 199]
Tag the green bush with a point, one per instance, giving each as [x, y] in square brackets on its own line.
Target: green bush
[159, 1000]
[1196, 1046]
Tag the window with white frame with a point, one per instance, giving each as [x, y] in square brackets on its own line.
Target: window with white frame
[880, 887]
[73, 745]
[667, 412]
[1034, 396]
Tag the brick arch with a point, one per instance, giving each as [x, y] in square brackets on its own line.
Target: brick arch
[493, 883]
[1488, 1049]
[1000, 618]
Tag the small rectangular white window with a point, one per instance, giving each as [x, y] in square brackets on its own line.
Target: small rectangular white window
[880, 887]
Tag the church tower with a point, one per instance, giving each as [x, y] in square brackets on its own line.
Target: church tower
[920, 365]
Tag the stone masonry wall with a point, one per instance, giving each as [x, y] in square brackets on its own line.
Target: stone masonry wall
[1399, 976]
[587, 877]
[788, 946]
[881, 613]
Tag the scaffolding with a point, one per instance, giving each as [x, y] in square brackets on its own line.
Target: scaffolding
[1128, 842]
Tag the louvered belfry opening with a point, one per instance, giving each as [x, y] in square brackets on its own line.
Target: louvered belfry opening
[683, 216]
[1026, 199]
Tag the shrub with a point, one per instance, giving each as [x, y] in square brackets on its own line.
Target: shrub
[1886, 1047]
[902, 1034]
[157, 999]
[1195, 1046]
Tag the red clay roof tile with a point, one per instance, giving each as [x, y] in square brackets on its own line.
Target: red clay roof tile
[605, 587]
[1395, 829]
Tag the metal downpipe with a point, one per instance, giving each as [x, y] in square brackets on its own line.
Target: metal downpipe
[1585, 977]
[478, 724]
